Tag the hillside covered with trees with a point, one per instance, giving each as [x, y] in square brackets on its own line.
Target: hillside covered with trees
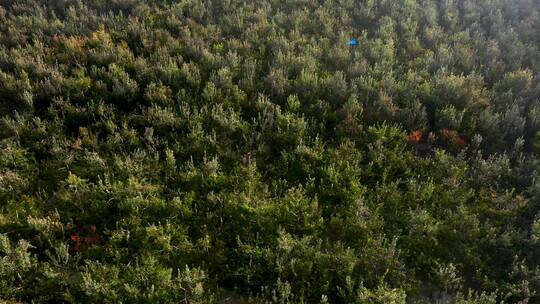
[234, 151]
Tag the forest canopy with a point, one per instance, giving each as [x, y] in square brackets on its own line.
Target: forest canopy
[270, 151]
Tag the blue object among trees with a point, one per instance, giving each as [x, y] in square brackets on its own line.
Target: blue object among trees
[352, 42]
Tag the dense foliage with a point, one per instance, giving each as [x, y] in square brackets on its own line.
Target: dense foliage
[200, 151]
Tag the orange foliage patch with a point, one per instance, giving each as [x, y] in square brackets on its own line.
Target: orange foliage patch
[76, 241]
[415, 136]
[84, 238]
[77, 144]
[460, 142]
